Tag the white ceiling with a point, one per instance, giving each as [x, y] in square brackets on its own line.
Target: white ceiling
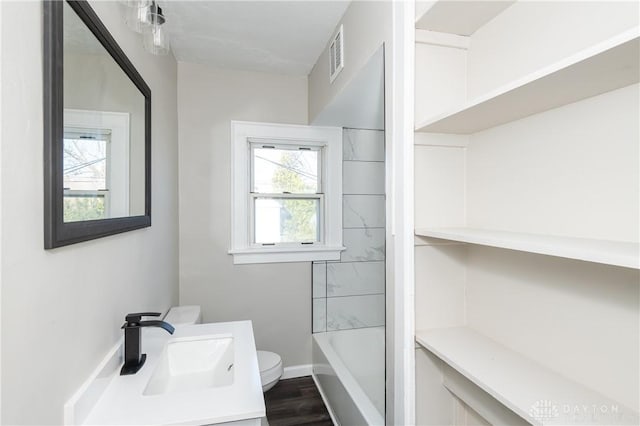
[283, 37]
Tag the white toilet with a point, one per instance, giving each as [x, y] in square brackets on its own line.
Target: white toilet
[270, 369]
[270, 363]
[184, 315]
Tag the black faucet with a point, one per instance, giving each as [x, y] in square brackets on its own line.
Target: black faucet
[133, 361]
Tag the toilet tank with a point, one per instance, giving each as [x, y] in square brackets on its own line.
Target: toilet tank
[184, 315]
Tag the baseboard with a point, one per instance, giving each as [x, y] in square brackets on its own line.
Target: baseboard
[326, 402]
[297, 371]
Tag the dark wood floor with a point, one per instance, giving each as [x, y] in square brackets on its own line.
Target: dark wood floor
[295, 402]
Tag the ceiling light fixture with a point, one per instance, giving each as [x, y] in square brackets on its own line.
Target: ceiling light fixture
[146, 17]
[154, 37]
[136, 3]
[137, 14]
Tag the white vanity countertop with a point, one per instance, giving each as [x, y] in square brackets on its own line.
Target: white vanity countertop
[123, 401]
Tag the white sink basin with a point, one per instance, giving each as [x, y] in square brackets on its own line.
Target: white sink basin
[203, 374]
[193, 363]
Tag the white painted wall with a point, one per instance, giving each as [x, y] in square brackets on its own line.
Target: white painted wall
[360, 105]
[276, 297]
[62, 309]
[441, 79]
[572, 171]
[440, 167]
[367, 25]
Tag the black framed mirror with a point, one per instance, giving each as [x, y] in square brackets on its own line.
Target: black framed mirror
[97, 130]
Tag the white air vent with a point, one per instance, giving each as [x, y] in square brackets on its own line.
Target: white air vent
[336, 58]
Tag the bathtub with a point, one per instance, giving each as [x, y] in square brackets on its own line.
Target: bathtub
[348, 367]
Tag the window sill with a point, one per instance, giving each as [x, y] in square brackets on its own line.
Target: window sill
[285, 254]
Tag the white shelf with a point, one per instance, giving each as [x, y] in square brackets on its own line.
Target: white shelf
[617, 253]
[459, 17]
[607, 66]
[518, 382]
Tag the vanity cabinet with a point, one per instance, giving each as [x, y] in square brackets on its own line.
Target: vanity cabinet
[527, 183]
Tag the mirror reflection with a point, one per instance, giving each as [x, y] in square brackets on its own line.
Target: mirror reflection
[104, 124]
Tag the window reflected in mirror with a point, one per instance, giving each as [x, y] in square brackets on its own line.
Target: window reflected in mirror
[85, 157]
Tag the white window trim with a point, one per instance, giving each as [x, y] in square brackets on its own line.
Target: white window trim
[330, 138]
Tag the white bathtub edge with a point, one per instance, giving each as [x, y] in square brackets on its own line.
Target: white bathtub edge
[363, 405]
[334, 419]
[294, 371]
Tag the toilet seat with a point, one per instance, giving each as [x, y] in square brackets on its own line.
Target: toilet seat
[270, 368]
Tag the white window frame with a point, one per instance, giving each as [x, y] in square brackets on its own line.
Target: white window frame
[329, 141]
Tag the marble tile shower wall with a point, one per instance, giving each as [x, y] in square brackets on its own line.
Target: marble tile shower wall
[350, 293]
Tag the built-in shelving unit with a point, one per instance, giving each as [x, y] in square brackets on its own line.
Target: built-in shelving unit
[618, 253]
[518, 382]
[607, 66]
[527, 121]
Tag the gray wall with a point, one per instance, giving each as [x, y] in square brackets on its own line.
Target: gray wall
[276, 297]
[350, 293]
[62, 309]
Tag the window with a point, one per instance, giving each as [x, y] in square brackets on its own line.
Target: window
[96, 154]
[287, 202]
[286, 194]
[85, 171]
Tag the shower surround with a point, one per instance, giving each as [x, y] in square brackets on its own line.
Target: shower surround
[349, 293]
